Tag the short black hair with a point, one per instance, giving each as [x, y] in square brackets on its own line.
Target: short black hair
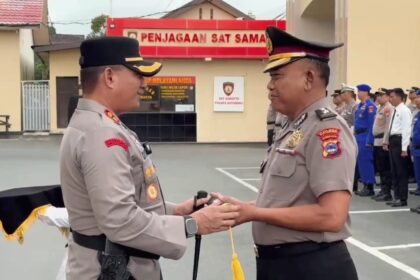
[89, 77]
[399, 92]
[323, 68]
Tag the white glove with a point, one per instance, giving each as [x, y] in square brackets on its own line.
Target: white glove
[57, 217]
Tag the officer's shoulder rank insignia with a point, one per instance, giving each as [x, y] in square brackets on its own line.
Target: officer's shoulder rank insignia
[325, 113]
[152, 193]
[150, 171]
[300, 120]
[112, 116]
[294, 139]
[329, 142]
[116, 142]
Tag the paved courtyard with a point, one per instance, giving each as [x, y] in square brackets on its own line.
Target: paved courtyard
[385, 243]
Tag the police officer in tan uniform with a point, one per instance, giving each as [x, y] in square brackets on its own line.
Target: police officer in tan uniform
[110, 186]
[301, 215]
[380, 128]
[347, 95]
[339, 104]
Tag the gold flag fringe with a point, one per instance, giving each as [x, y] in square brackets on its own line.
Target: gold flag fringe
[21, 230]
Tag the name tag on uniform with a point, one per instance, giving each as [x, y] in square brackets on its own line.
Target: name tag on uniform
[286, 151]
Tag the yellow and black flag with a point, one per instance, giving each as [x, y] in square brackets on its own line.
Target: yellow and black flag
[20, 207]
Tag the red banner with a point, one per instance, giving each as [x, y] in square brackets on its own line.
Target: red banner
[179, 38]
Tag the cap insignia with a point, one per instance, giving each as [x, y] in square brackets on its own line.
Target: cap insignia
[269, 44]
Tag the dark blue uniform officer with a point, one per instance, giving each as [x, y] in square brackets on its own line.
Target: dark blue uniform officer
[363, 124]
[415, 148]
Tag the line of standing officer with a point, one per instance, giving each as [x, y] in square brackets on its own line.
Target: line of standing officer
[380, 128]
[415, 146]
[363, 125]
[397, 143]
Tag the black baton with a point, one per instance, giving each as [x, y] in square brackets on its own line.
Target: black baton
[200, 194]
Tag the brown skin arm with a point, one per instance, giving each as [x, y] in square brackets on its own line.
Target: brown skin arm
[328, 215]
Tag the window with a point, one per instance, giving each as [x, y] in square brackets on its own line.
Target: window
[200, 13]
[211, 13]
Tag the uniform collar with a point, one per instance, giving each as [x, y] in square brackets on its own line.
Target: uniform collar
[400, 105]
[321, 103]
[297, 122]
[91, 105]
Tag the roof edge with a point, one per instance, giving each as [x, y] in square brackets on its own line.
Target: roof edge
[56, 47]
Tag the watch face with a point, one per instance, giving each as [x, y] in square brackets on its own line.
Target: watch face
[191, 226]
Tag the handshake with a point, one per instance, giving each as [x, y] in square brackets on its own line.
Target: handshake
[216, 212]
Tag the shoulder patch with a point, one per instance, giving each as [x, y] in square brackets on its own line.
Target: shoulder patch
[116, 142]
[329, 142]
[370, 109]
[325, 113]
[112, 116]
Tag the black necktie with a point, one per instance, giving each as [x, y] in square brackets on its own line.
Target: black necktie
[392, 120]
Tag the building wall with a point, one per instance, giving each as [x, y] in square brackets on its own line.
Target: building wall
[206, 7]
[62, 64]
[314, 20]
[384, 50]
[10, 77]
[26, 54]
[247, 126]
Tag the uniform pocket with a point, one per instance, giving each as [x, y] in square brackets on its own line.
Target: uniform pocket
[281, 187]
[284, 166]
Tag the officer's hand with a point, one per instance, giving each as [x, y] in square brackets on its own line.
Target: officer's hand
[246, 211]
[385, 147]
[215, 218]
[404, 154]
[186, 207]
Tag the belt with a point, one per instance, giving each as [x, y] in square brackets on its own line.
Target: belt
[381, 135]
[290, 249]
[395, 135]
[360, 131]
[97, 242]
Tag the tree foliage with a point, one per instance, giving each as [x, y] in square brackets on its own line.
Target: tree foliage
[97, 26]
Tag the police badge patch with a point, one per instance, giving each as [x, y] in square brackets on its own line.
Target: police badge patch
[294, 139]
[330, 144]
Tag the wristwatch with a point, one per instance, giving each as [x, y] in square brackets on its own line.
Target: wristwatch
[191, 227]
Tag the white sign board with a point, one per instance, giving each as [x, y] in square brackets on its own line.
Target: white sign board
[184, 107]
[228, 94]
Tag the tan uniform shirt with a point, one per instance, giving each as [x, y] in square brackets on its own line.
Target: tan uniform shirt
[271, 117]
[381, 124]
[348, 113]
[309, 158]
[339, 109]
[280, 123]
[110, 186]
